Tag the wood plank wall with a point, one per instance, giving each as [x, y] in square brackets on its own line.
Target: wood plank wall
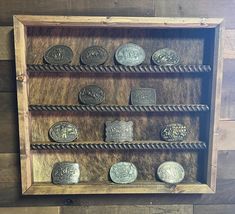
[221, 202]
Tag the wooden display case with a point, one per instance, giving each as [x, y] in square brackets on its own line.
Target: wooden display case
[187, 93]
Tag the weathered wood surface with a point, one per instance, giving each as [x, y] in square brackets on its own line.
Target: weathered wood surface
[161, 209]
[6, 43]
[214, 209]
[30, 210]
[74, 7]
[10, 196]
[226, 135]
[22, 103]
[229, 44]
[228, 91]
[8, 123]
[226, 165]
[200, 8]
[7, 76]
[9, 167]
[10, 192]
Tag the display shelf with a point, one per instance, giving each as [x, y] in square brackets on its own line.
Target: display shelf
[188, 93]
[40, 188]
[46, 68]
[136, 145]
[117, 108]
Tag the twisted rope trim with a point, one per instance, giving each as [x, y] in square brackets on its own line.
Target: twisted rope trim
[118, 68]
[121, 146]
[116, 108]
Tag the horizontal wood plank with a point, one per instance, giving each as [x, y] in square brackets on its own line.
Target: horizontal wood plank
[226, 165]
[48, 189]
[7, 75]
[30, 210]
[228, 91]
[8, 8]
[9, 167]
[116, 21]
[8, 123]
[200, 8]
[6, 42]
[229, 44]
[225, 194]
[226, 135]
[172, 209]
[10, 195]
[8, 102]
[214, 209]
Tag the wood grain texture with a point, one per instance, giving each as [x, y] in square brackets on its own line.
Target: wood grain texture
[171, 209]
[229, 44]
[98, 188]
[228, 91]
[226, 165]
[75, 7]
[30, 210]
[8, 103]
[226, 135]
[214, 209]
[6, 42]
[10, 195]
[22, 101]
[215, 103]
[201, 8]
[7, 76]
[9, 167]
[224, 195]
[116, 21]
[8, 123]
[81, 37]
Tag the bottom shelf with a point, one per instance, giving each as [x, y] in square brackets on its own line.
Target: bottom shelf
[111, 188]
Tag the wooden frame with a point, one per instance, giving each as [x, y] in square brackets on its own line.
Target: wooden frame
[29, 187]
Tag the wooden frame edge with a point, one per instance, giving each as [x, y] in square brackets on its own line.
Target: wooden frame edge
[213, 148]
[23, 113]
[51, 189]
[20, 22]
[118, 21]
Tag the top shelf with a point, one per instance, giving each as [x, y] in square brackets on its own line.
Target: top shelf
[46, 68]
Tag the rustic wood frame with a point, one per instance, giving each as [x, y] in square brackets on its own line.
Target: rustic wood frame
[21, 22]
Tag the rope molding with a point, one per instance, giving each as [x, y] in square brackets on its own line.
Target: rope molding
[120, 146]
[33, 68]
[116, 108]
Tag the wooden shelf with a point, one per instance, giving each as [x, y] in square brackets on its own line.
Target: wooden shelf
[119, 108]
[136, 145]
[111, 188]
[46, 68]
[188, 94]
